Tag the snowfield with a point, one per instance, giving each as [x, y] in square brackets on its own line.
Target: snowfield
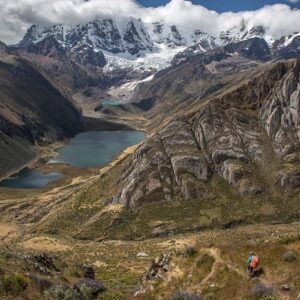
[160, 58]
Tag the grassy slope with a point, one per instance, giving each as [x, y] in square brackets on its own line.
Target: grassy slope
[85, 215]
[223, 274]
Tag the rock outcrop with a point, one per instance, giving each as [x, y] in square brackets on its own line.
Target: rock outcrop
[252, 129]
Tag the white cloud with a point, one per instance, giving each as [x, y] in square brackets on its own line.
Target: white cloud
[17, 15]
[293, 1]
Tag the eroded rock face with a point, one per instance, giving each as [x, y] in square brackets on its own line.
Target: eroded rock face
[280, 114]
[231, 136]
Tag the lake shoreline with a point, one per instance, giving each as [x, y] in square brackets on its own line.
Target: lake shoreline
[101, 146]
[43, 153]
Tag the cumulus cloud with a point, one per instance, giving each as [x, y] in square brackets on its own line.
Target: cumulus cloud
[294, 1]
[17, 15]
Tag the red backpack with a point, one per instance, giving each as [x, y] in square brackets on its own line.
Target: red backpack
[254, 262]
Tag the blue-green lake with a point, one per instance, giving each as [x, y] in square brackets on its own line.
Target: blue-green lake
[88, 149]
[29, 179]
[96, 148]
[108, 102]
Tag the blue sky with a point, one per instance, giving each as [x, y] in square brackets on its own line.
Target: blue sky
[225, 5]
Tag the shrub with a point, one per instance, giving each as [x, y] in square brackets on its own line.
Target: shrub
[289, 256]
[89, 288]
[88, 272]
[14, 284]
[62, 292]
[210, 296]
[261, 291]
[76, 273]
[190, 251]
[42, 284]
[205, 259]
[86, 292]
[290, 239]
[184, 296]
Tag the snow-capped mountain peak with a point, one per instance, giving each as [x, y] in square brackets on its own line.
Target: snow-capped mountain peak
[124, 34]
[128, 42]
[237, 34]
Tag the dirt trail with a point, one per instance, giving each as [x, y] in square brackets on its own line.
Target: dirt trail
[45, 244]
[215, 253]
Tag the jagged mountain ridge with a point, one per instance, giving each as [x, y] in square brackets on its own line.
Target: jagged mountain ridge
[104, 34]
[129, 42]
[89, 59]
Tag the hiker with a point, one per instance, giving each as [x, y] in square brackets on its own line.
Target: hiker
[252, 264]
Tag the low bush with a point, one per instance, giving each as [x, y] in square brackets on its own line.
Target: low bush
[89, 288]
[289, 256]
[261, 291]
[210, 296]
[290, 239]
[41, 283]
[62, 292]
[184, 296]
[86, 292]
[190, 251]
[204, 260]
[13, 284]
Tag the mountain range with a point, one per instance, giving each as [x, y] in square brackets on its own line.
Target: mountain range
[217, 175]
[97, 55]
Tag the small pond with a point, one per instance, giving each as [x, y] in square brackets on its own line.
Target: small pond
[29, 179]
[108, 102]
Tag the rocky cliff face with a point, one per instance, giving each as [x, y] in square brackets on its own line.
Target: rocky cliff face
[248, 136]
[76, 71]
[113, 35]
[34, 110]
[287, 47]
[252, 49]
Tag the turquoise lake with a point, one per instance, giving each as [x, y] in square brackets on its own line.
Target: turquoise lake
[87, 149]
[108, 102]
[29, 179]
[96, 148]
